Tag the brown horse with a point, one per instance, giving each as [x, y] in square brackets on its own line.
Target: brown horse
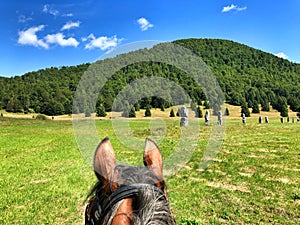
[127, 195]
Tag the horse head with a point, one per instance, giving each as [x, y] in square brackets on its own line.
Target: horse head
[126, 195]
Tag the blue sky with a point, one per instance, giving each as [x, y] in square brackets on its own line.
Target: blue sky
[37, 34]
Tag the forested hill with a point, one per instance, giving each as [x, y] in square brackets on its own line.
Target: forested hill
[247, 77]
[245, 73]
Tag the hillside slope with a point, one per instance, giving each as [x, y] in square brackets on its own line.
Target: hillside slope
[246, 75]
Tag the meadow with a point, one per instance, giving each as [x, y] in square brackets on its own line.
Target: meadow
[253, 180]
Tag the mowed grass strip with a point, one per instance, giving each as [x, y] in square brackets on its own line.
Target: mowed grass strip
[254, 179]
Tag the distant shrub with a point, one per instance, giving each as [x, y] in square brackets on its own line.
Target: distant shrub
[31, 110]
[87, 114]
[137, 106]
[172, 114]
[193, 106]
[1, 115]
[100, 111]
[255, 108]
[148, 111]
[206, 105]
[227, 113]
[199, 113]
[41, 117]
[132, 113]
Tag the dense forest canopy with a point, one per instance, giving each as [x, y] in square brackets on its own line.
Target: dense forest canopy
[247, 76]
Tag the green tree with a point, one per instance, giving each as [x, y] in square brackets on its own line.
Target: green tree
[282, 106]
[132, 113]
[193, 106]
[126, 109]
[245, 109]
[88, 113]
[227, 113]
[199, 113]
[148, 111]
[14, 105]
[137, 106]
[265, 105]
[172, 114]
[206, 105]
[255, 107]
[100, 111]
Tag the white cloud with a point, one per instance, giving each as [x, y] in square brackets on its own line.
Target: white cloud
[68, 15]
[282, 55]
[70, 25]
[29, 37]
[102, 42]
[144, 24]
[241, 8]
[233, 7]
[59, 39]
[23, 19]
[48, 9]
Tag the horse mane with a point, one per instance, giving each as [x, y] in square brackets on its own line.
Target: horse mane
[149, 207]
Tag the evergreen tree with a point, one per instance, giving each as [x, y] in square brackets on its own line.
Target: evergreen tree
[126, 109]
[100, 111]
[172, 114]
[132, 113]
[137, 106]
[14, 105]
[206, 105]
[265, 106]
[87, 113]
[255, 107]
[282, 106]
[199, 113]
[227, 113]
[148, 111]
[193, 106]
[284, 112]
[245, 109]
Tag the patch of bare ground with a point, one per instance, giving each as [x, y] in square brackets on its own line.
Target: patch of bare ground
[230, 187]
[246, 174]
[41, 181]
[276, 166]
[266, 150]
[248, 169]
[81, 208]
[283, 180]
[217, 172]
[263, 156]
[197, 179]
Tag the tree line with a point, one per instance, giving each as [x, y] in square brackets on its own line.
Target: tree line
[248, 77]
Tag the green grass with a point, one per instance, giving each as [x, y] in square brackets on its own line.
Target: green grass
[254, 179]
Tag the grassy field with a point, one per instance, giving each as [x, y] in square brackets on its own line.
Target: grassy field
[254, 179]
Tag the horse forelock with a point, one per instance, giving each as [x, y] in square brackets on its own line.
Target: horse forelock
[148, 206]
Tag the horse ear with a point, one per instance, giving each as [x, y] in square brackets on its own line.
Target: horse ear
[153, 158]
[104, 160]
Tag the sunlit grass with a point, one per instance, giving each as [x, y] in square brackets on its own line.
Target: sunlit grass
[254, 179]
